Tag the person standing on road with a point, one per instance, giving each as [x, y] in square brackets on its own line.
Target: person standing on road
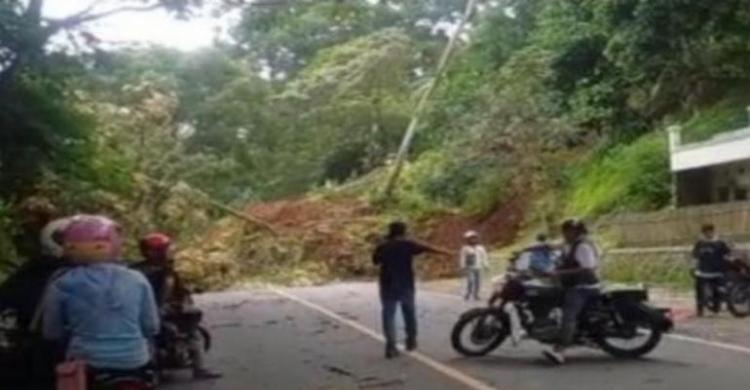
[578, 275]
[395, 257]
[472, 260]
[712, 255]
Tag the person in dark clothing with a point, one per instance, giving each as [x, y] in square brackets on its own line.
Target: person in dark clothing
[395, 257]
[22, 293]
[577, 273]
[713, 263]
[172, 296]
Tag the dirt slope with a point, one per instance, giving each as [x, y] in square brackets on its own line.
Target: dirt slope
[321, 239]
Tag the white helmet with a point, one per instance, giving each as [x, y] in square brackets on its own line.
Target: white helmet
[471, 234]
[51, 236]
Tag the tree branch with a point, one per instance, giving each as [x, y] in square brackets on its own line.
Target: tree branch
[56, 25]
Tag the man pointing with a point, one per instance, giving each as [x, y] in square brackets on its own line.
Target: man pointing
[395, 256]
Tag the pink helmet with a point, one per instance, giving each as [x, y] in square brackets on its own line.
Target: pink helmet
[92, 238]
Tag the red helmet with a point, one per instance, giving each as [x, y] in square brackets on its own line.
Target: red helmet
[155, 242]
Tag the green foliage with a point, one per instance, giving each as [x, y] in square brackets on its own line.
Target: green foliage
[627, 177]
[727, 115]
[39, 129]
[671, 269]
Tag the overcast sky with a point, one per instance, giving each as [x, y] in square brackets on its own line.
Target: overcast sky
[144, 27]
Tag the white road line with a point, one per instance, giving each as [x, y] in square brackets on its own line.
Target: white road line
[715, 344]
[450, 372]
[673, 336]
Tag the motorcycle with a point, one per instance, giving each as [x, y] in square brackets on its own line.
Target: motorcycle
[621, 322]
[174, 343]
[734, 290]
[142, 379]
[738, 290]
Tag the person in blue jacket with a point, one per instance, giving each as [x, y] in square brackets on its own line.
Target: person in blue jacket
[104, 312]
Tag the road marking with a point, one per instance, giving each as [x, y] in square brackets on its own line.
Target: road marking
[715, 344]
[450, 372]
[673, 336]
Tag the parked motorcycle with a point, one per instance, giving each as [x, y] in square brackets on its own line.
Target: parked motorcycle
[621, 323]
[738, 291]
[734, 291]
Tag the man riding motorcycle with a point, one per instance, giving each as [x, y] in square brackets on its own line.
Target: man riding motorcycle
[577, 273]
[173, 298]
[104, 313]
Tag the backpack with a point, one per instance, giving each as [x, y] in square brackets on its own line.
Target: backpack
[541, 259]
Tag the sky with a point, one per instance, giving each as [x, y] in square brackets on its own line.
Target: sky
[157, 27]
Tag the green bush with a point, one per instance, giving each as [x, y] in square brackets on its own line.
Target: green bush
[725, 116]
[7, 249]
[628, 177]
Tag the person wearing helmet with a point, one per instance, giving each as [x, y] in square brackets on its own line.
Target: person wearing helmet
[173, 297]
[472, 260]
[23, 290]
[577, 273]
[104, 312]
[157, 266]
[22, 293]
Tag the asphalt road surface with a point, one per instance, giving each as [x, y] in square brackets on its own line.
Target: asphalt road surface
[328, 338]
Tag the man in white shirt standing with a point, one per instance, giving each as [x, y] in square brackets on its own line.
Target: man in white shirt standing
[472, 261]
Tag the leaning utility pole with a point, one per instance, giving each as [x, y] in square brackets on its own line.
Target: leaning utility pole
[422, 102]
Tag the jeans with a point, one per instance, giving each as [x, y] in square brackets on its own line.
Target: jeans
[702, 284]
[408, 310]
[473, 283]
[576, 299]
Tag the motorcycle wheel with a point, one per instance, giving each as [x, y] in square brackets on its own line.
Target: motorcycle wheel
[487, 328]
[648, 335]
[738, 300]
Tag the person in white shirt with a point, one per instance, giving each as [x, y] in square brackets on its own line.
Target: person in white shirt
[472, 261]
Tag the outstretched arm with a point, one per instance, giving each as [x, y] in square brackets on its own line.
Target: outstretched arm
[429, 248]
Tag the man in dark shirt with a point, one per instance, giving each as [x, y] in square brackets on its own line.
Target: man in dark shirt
[712, 255]
[395, 256]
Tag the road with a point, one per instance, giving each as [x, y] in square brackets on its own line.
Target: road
[326, 338]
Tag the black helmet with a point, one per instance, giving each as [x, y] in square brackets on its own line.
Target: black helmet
[574, 224]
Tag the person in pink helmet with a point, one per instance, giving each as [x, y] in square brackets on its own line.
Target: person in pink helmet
[104, 312]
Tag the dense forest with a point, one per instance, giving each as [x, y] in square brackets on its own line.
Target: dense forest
[558, 103]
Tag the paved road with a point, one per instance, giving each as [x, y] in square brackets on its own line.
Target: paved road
[324, 338]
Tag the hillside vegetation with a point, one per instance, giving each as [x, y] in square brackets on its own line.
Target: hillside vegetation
[548, 108]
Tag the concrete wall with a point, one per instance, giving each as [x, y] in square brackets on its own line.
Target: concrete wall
[677, 226]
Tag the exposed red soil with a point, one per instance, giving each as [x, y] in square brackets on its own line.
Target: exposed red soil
[498, 228]
[340, 233]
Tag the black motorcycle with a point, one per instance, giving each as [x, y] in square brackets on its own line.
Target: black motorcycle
[178, 333]
[738, 291]
[621, 323]
[733, 289]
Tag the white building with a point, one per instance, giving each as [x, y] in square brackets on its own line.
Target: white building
[712, 171]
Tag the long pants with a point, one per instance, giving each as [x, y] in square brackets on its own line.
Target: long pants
[473, 283]
[576, 300]
[408, 310]
[702, 284]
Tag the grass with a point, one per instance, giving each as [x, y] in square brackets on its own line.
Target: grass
[667, 269]
[630, 177]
